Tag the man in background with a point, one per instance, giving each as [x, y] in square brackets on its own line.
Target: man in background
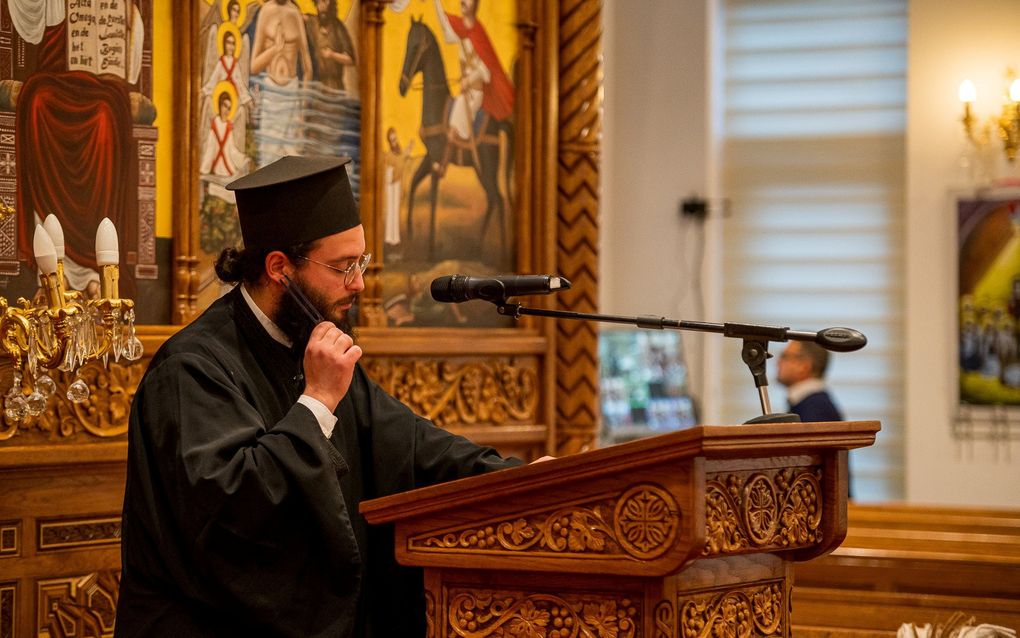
[802, 370]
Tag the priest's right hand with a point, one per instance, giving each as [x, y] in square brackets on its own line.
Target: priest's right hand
[329, 364]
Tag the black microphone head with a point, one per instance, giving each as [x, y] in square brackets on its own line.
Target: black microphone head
[442, 289]
[841, 339]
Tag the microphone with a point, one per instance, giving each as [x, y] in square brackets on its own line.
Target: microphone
[458, 288]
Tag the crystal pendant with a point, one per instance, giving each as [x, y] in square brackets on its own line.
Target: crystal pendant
[45, 385]
[134, 349]
[78, 391]
[35, 403]
[15, 407]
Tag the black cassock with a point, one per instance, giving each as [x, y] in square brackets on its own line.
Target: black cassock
[241, 518]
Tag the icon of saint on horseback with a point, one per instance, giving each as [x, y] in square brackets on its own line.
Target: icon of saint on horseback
[462, 129]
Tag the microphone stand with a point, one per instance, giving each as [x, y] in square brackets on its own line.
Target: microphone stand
[756, 340]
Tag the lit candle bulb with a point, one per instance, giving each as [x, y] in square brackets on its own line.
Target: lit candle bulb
[968, 92]
[1014, 90]
[108, 256]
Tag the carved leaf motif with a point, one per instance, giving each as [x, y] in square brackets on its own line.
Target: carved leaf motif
[602, 618]
[530, 622]
[521, 531]
[582, 535]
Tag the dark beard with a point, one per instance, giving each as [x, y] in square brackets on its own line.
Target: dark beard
[294, 323]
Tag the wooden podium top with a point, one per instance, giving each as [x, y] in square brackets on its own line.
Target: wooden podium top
[644, 507]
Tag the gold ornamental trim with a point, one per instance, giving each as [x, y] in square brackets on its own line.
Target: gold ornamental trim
[468, 392]
[69, 534]
[738, 613]
[762, 510]
[641, 523]
[484, 613]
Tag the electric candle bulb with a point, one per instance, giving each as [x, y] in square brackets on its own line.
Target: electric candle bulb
[968, 93]
[107, 248]
[45, 251]
[56, 232]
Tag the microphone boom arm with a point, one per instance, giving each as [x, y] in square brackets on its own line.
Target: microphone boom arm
[756, 340]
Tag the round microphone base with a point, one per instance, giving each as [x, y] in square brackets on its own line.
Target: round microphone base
[775, 417]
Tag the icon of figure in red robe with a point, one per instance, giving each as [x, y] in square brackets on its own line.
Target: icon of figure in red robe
[484, 85]
[75, 152]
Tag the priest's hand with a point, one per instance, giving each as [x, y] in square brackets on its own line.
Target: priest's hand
[329, 364]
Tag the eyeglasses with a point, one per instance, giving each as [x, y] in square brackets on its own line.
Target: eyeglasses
[358, 266]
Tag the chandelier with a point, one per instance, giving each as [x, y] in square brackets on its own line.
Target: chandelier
[63, 330]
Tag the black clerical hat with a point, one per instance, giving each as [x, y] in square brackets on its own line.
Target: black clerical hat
[295, 200]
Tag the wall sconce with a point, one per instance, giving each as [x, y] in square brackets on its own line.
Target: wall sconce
[65, 330]
[1007, 124]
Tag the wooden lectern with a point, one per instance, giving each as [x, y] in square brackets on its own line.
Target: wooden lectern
[688, 534]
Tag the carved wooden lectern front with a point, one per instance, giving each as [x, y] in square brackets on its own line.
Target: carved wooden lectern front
[687, 534]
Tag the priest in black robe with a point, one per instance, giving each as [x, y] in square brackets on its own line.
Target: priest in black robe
[255, 434]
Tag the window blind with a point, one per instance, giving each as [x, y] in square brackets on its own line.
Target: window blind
[812, 160]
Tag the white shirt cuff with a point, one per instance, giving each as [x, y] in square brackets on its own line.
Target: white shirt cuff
[322, 414]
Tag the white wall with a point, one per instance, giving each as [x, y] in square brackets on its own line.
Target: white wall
[654, 155]
[658, 150]
[949, 41]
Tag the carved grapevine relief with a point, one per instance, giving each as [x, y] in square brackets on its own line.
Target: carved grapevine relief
[776, 509]
[448, 392]
[643, 523]
[481, 613]
[741, 613]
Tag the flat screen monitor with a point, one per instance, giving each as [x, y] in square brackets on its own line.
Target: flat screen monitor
[643, 382]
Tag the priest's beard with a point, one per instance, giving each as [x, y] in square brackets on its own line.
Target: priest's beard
[297, 325]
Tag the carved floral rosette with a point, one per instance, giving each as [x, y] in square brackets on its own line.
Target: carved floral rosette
[741, 613]
[642, 523]
[482, 613]
[762, 510]
[465, 392]
[104, 414]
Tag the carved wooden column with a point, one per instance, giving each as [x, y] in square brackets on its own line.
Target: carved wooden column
[580, 125]
[370, 50]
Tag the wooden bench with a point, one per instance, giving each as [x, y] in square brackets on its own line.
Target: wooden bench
[912, 564]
